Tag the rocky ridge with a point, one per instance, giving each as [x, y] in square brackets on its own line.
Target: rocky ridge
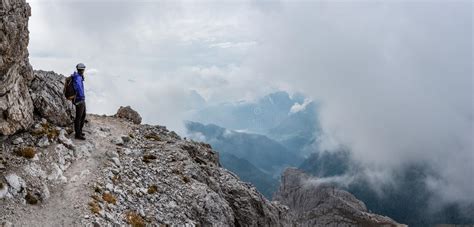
[124, 174]
[322, 204]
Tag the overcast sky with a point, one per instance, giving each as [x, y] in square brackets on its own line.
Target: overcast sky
[394, 77]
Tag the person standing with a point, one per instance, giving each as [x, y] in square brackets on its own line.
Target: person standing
[79, 100]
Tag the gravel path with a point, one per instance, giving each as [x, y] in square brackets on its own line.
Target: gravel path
[68, 201]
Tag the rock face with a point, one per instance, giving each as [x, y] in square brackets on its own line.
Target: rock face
[130, 114]
[15, 71]
[49, 102]
[323, 205]
[174, 181]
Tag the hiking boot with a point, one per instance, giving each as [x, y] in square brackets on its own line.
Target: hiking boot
[81, 137]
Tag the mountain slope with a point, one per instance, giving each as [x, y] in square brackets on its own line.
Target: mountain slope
[255, 117]
[263, 152]
[265, 183]
[147, 170]
[299, 130]
[323, 205]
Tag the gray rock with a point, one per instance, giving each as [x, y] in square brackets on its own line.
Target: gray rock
[56, 174]
[116, 161]
[16, 183]
[18, 141]
[117, 141]
[130, 114]
[48, 99]
[64, 140]
[45, 194]
[43, 142]
[16, 106]
[111, 154]
[3, 191]
[109, 187]
[323, 205]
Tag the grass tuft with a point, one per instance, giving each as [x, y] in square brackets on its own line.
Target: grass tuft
[185, 179]
[47, 129]
[134, 219]
[109, 198]
[94, 207]
[26, 152]
[152, 189]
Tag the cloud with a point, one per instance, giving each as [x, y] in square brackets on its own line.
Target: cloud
[300, 107]
[394, 79]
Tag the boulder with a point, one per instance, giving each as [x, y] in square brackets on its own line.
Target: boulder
[17, 184]
[129, 113]
[16, 107]
[49, 102]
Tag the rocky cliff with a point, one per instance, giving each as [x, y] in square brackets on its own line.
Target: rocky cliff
[15, 71]
[324, 205]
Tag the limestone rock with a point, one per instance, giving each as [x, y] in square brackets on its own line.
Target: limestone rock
[17, 184]
[324, 205]
[16, 107]
[129, 113]
[49, 102]
[65, 140]
[3, 191]
[18, 141]
[43, 142]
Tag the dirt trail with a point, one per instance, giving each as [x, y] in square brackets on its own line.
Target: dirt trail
[69, 201]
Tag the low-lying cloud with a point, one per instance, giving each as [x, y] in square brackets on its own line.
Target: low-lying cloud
[394, 78]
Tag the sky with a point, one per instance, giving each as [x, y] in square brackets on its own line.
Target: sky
[394, 77]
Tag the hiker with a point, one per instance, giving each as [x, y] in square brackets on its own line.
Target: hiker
[79, 100]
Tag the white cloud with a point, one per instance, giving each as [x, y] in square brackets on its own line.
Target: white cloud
[300, 107]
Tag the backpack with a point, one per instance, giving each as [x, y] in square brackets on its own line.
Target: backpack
[69, 91]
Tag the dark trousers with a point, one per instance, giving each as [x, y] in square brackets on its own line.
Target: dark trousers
[80, 117]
